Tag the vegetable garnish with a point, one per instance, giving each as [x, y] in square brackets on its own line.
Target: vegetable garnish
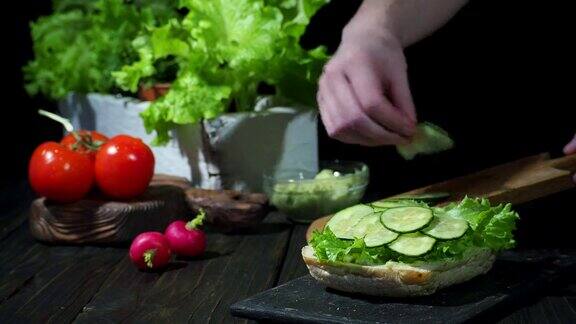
[150, 251]
[186, 238]
[453, 231]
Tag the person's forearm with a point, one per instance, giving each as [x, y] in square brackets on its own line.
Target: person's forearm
[406, 20]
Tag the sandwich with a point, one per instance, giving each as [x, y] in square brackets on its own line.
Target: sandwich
[404, 247]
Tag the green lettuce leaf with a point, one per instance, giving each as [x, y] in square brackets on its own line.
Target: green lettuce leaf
[130, 75]
[328, 247]
[187, 91]
[491, 227]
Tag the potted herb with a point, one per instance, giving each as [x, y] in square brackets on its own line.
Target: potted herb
[214, 123]
[78, 47]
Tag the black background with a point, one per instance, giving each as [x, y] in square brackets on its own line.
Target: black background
[498, 77]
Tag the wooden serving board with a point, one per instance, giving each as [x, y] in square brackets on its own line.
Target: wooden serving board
[514, 182]
[98, 220]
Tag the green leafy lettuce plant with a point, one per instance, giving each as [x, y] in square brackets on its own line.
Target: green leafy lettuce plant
[224, 51]
[78, 47]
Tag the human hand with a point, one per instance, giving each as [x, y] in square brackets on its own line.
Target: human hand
[364, 96]
[570, 148]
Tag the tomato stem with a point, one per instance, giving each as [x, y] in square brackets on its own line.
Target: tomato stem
[149, 257]
[65, 122]
[197, 221]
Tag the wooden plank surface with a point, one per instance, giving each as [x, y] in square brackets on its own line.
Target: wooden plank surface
[43, 283]
[50, 283]
[14, 202]
[547, 310]
[199, 290]
[293, 266]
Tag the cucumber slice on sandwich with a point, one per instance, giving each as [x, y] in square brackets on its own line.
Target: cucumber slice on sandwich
[444, 227]
[406, 219]
[413, 244]
[343, 222]
[373, 232]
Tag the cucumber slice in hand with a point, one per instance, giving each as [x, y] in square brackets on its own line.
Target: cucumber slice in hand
[413, 244]
[446, 228]
[342, 224]
[429, 139]
[373, 232]
[406, 219]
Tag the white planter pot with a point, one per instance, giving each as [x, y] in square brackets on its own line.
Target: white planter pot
[232, 151]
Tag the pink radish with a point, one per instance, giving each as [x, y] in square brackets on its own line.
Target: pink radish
[150, 250]
[185, 238]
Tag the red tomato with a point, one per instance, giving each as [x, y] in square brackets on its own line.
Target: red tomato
[124, 167]
[83, 141]
[60, 174]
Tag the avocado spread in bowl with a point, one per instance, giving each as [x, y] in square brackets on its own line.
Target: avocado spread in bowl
[305, 196]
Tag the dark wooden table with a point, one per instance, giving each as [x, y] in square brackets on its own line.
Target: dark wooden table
[42, 283]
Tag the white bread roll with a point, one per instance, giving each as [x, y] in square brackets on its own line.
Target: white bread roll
[394, 279]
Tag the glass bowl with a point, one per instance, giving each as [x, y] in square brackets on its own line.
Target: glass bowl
[305, 196]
